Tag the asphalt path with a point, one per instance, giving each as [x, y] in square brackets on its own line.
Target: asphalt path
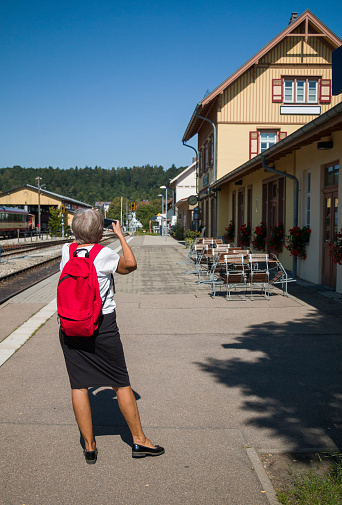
[217, 383]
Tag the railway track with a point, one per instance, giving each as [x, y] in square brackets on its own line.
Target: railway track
[20, 280]
[16, 249]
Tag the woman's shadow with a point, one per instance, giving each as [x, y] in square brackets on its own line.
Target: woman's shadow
[106, 414]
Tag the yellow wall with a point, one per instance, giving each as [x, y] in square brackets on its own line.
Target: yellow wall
[296, 163]
[233, 144]
[27, 196]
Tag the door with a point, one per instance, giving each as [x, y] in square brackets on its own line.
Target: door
[241, 210]
[330, 211]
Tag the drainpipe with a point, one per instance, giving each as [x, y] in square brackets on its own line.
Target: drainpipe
[214, 167]
[295, 210]
[196, 178]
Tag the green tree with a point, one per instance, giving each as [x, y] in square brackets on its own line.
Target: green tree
[146, 211]
[114, 211]
[55, 219]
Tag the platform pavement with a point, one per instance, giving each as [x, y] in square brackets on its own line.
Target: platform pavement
[217, 382]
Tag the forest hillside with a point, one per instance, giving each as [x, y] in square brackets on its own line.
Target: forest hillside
[89, 185]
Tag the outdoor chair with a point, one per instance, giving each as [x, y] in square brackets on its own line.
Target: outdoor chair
[278, 274]
[215, 271]
[258, 274]
[235, 273]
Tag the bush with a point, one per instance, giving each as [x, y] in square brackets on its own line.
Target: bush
[178, 234]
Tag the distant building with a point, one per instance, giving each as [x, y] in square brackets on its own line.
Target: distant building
[183, 186]
[104, 206]
[26, 197]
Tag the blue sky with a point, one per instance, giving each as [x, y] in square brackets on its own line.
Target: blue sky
[114, 83]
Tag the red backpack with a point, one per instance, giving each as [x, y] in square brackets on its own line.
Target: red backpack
[79, 304]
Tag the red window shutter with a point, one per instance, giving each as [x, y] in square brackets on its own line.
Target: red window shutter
[212, 152]
[253, 144]
[277, 90]
[206, 156]
[281, 135]
[200, 171]
[325, 90]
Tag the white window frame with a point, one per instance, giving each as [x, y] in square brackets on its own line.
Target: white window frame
[295, 97]
[269, 142]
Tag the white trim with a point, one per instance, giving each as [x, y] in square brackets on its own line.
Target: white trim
[300, 109]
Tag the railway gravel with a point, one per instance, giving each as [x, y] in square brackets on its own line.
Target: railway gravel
[10, 265]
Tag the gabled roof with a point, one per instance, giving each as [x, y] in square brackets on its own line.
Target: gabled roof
[311, 22]
[187, 169]
[44, 191]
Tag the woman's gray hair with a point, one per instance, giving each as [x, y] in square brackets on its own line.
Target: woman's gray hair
[87, 226]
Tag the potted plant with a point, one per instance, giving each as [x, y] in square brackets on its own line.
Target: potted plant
[275, 241]
[297, 240]
[336, 249]
[230, 233]
[259, 238]
[244, 235]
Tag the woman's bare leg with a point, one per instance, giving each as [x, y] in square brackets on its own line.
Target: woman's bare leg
[129, 410]
[82, 411]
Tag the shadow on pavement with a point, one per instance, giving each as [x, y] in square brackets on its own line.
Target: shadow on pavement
[107, 417]
[293, 385]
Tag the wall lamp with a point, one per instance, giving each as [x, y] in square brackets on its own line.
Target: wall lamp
[325, 146]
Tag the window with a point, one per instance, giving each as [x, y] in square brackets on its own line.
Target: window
[261, 140]
[300, 90]
[206, 160]
[273, 202]
[201, 162]
[267, 139]
[307, 197]
[331, 174]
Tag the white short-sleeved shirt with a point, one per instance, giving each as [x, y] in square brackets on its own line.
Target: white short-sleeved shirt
[106, 263]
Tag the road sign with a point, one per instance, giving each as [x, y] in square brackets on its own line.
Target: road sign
[192, 200]
[62, 209]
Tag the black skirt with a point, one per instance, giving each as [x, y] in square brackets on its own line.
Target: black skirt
[98, 360]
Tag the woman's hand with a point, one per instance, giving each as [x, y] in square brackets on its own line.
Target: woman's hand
[127, 263]
[117, 228]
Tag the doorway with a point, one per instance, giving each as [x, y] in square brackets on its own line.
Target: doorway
[330, 202]
[330, 216]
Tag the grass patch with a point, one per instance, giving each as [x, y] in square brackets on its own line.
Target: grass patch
[314, 489]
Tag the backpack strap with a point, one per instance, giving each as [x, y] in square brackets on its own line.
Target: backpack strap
[72, 248]
[94, 251]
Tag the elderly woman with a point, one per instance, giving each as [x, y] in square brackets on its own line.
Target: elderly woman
[99, 361]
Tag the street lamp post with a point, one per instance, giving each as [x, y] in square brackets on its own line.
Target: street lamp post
[161, 215]
[165, 187]
[39, 221]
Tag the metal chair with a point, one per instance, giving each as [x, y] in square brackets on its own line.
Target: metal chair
[235, 273]
[259, 275]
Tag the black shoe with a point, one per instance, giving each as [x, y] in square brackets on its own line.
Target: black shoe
[140, 451]
[90, 457]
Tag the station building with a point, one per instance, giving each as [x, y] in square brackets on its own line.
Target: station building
[278, 105]
[27, 196]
